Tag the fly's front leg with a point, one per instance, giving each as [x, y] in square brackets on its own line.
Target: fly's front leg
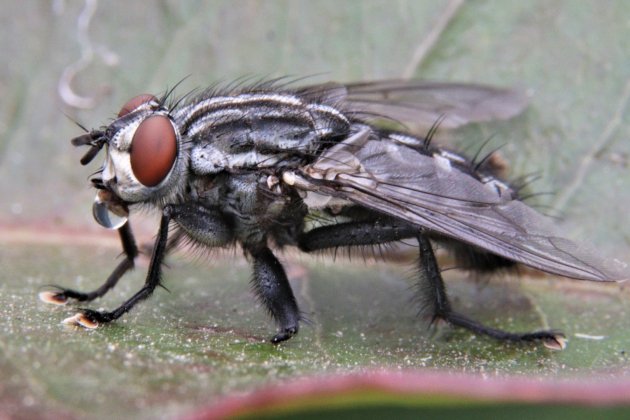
[272, 287]
[437, 305]
[61, 295]
[91, 319]
[199, 223]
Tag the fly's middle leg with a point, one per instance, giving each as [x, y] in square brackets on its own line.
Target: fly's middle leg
[271, 285]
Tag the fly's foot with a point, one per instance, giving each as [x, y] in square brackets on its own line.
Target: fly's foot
[54, 298]
[556, 343]
[88, 319]
[284, 335]
[551, 339]
[554, 340]
[61, 296]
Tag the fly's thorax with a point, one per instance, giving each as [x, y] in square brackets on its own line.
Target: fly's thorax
[256, 130]
[144, 161]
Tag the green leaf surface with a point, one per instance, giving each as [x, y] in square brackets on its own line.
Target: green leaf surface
[186, 350]
[206, 338]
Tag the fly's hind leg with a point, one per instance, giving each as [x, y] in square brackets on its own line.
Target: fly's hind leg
[436, 303]
[431, 286]
[61, 295]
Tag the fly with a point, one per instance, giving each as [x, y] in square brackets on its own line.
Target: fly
[254, 166]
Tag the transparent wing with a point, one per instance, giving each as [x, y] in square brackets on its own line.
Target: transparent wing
[422, 102]
[426, 191]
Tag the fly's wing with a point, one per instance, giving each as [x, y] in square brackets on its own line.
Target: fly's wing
[432, 194]
[422, 102]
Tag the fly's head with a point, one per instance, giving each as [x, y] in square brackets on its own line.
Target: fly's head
[142, 159]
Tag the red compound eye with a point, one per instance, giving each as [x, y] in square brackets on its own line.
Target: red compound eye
[153, 150]
[134, 103]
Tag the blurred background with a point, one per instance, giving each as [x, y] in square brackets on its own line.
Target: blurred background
[75, 60]
[66, 61]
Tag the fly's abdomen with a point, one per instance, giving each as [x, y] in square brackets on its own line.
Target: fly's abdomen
[257, 130]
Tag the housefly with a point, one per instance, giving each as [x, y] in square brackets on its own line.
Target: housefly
[272, 166]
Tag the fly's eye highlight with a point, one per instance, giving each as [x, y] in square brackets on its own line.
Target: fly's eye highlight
[153, 150]
[134, 103]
